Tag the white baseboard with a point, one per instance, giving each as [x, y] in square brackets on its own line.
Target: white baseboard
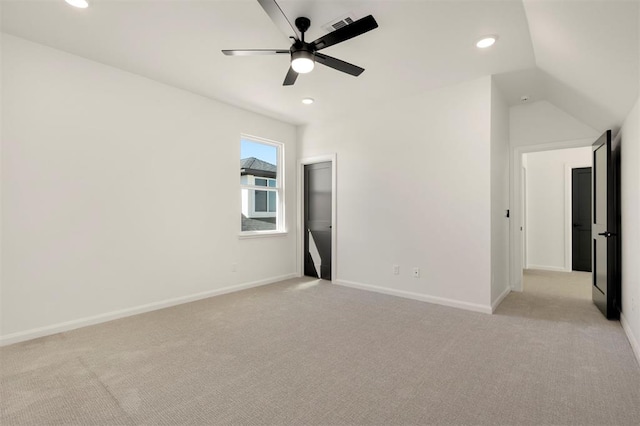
[34, 333]
[500, 298]
[485, 309]
[635, 345]
[549, 268]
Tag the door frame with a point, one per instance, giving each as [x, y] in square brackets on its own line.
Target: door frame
[516, 194]
[568, 209]
[524, 228]
[332, 158]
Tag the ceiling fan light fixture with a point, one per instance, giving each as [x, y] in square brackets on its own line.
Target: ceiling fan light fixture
[81, 4]
[302, 61]
[304, 54]
[487, 41]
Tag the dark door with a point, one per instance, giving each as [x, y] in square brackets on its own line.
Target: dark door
[581, 219]
[605, 289]
[317, 220]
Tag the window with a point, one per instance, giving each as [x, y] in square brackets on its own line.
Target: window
[261, 186]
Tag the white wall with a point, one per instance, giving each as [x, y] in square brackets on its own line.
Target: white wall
[499, 196]
[537, 126]
[413, 189]
[548, 201]
[542, 122]
[120, 193]
[630, 209]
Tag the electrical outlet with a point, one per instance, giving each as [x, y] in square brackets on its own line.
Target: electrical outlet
[633, 304]
[234, 267]
[416, 272]
[396, 269]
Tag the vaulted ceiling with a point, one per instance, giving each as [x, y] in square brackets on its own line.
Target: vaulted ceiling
[582, 56]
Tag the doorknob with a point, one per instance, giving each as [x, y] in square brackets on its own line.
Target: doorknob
[607, 234]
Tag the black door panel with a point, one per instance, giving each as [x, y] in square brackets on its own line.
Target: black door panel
[581, 219]
[317, 220]
[606, 276]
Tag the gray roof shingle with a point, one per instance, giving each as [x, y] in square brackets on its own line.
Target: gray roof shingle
[254, 166]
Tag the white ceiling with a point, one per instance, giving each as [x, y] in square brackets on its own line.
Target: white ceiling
[581, 55]
[587, 59]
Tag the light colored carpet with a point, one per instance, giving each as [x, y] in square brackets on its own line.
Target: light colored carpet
[309, 352]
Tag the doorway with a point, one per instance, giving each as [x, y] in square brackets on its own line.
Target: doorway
[550, 194]
[557, 218]
[542, 190]
[317, 220]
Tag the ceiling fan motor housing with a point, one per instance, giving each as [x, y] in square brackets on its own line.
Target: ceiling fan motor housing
[302, 50]
[302, 53]
[303, 24]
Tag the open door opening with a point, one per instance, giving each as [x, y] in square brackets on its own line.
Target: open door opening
[556, 210]
[556, 222]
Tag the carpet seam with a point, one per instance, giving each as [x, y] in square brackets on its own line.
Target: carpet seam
[106, 388]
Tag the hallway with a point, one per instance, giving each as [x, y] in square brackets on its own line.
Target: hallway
[572, 285]
[561, 296]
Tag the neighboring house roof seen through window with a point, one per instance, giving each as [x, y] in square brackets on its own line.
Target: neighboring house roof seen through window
[256, 167]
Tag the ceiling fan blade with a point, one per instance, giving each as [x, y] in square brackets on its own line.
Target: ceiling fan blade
[339, 65]
[253, 52]
[359, 27]
[279, 18]
[290, 78]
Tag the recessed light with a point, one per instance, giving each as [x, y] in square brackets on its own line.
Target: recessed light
[487, 41]
[82, 4]
[307, 101]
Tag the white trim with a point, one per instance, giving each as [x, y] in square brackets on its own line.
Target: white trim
[524, 205]
[515, 197]
[548, 268]
[635, 345]
[485, 309]
[261, 234]
[34, 333]
[332, 158]
[500, 298]
[568, 212]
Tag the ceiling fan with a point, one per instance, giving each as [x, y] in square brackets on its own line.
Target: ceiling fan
[303, 54]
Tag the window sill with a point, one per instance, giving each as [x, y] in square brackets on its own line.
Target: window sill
[262, 234]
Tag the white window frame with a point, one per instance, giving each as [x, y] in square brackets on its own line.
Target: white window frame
[279, 189]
